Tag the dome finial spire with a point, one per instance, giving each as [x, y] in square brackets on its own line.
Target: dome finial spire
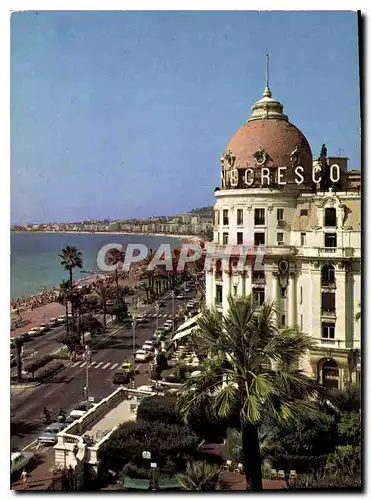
[267, 92]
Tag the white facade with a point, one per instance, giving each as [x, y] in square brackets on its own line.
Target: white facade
[311, 245]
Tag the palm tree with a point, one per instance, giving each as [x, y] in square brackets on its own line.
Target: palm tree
[201, 476]
[104, 292]
[237, 377]
[64, 297]
[71, 258]
[115, 257]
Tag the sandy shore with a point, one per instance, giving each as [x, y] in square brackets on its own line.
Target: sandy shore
[44, 313]
[178, 236]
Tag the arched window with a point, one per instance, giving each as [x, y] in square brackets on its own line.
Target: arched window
[330, 374]
[327, 275]
[330, 217]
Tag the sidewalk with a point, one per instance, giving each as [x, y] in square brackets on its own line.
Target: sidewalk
[237, 482]
[40, 475]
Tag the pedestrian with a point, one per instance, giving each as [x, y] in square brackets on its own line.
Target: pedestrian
[24, 478]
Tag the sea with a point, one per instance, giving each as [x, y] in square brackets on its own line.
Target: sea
[35, 264]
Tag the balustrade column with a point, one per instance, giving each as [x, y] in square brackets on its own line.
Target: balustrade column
[275, 296]
[226, 289]
[292, 300]
[241, 284]
[209, 286]
[248, 276]
[341, 326]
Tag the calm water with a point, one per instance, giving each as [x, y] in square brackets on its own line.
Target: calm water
[35, 263]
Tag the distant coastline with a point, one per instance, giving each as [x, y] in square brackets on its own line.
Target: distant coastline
[178, 236]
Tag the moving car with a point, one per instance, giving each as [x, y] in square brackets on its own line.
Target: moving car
[81, 409]
[19, 460]
[168, 327]
[142, 319]
[121, 377]
[50, 434]
[128, 367]
[61, 319]
[142, 355]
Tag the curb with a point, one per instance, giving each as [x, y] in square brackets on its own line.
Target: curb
[30, 445]
[25, 386]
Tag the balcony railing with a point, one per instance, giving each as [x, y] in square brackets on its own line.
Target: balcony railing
[258, 280]
[328, 250]
[328, 284]
[329, 313]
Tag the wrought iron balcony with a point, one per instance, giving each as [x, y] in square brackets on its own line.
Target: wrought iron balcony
[328, 313]
[328, 284]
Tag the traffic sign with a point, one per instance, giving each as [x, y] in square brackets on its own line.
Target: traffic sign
[153, 465]
[146, 455]
[91, 399]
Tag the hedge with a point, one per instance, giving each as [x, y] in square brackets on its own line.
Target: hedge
[164, 441]
[312, 481]
[159, 409]
[37, 363]
[300, 463]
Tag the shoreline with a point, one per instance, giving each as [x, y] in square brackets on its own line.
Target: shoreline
[117, 233]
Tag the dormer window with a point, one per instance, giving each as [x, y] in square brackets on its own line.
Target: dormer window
[330, 217]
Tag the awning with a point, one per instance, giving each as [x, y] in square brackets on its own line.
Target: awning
[189, 323]
[183, 333]
[136, 484]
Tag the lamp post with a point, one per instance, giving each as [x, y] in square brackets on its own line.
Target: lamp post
[134, 331]
[173, 304]
[157, 311]
[88, 359]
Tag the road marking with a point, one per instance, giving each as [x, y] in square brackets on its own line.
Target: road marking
[30, 445]
[105, 366]
[114, 366]
[93, 363]
[98, 365]
[76, 364]
[84, 363]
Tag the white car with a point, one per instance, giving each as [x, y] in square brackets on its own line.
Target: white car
[35, 331]
[61, 319]
[168, 328]
[81, 409]
[142, 355]
[19, 460]
[149, 343]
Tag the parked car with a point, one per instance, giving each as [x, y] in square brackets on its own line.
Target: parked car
[34, 332]
[49, 436]
[44, 327]
[142, 355]
[81, 409]
[53, 322]
[61, 320]
[121, 377]
[19, 460]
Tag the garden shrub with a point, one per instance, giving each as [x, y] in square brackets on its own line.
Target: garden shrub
[159, 409]
[313, 481]
[164, 441]
[37, 363]
[300, 463]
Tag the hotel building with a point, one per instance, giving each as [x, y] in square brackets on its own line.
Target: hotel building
[306, 223]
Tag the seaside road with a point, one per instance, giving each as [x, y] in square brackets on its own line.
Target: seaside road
[65, 389]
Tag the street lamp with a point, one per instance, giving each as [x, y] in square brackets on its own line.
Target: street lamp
[173, 303]
[134, 327]
[88, 354]
[157, 311]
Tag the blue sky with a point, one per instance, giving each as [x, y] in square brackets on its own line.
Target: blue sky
[126, 114]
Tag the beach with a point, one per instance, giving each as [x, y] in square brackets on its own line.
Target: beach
[43, 313]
